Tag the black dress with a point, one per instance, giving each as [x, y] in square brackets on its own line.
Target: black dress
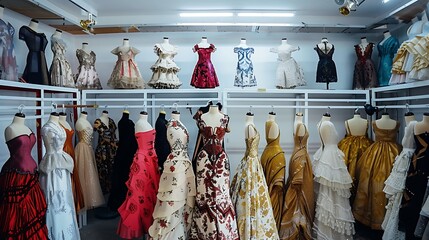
[162, 147]
[36, 69]
[326, 70]
[127, 147]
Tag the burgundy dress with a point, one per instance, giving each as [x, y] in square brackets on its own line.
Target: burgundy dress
[204, 75]
[22, 203]
[136, 211]
[364, 75]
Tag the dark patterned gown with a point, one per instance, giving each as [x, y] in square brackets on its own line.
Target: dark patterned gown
[204, 75]
[326, 69]
[364, 75]
[162, 147]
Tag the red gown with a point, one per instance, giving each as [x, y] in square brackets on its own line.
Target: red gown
[204, 75]
[136, 211]
[22, 203]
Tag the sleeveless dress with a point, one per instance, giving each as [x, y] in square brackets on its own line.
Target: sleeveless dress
[214, 214]
[395, 185]
[332, 182]
[364, 75]
[162, 147]
[79, 202]
[105, 152]
[298, 209]
[137, 209]
[386, 51]
[249, 193]
[165, 69]
[176, 193]
[274, 163]
[326, 69]
[289, 73]
[22, 202]
[87, 169]
[353, 147]
[55, 179]
[204, 75]
[125, 74]
[87, 77]
[372, 170]
[60, 70]
[244, 75]
[415, 185]
[8, 67]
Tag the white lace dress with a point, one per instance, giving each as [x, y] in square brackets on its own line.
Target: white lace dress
[165, 69]
[395, 184]
[55, 181]
[332, 183]
[289, 73]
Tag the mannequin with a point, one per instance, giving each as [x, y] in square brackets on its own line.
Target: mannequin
[356, 125]
[55, 118]
[242, 43]
[386, 35]
[249, 131]
[385, 122]
[204, 43]
[166, 45]
[105, 117]
[63, 121]
[299, 123]
[363, 44]
[16, 128]
[34, 24]
[274, 130]
[125, 48]
[175, 115]
[85, 48]
[57, 33]
[323, 130]
[1, 11]
[324, 45]
[212, 117]
[422, 126]
[82, 122]
[142, 125]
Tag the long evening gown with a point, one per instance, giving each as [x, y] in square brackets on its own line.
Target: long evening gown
[244, 76]
[204, 75]
[274, 163]
[105, 152]
[334, 219]
[386, 51]
[364, 75]
[126, 73]
[162, 147]
[22, 202]
[395, 185]
[249, 193]
[372, 170]
[298, 209]
[165, 69]
[326, 69]
[214, 216]
[137, 209]
[176, 193]
[55, 179]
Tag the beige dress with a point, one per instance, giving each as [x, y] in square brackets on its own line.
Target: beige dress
[126, 73]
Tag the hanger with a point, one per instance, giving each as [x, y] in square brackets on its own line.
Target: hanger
[175, 111]
[20, 109]
[357, 111]
[144, 112]
[126, 110]
[272, 110]
[385, 111]
[63, 112]
[105, 110]
[408, 113]
[249, 113]
[162, 109]
[327, 114]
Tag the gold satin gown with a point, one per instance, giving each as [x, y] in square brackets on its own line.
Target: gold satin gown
[298, 209]
[273, 162]
[372, 170]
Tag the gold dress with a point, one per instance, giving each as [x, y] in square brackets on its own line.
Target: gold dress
[298, 210]
[249, 193]
[273, 162]
[372, 170]
[353, 147]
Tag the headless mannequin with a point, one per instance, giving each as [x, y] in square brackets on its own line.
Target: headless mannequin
[63, 121]
[203, 43]
[357, 125]
[105, 117]
[34, 25]
[242, 43]
[274, 130]
[386, 35]
[82, 122]
[166, 45]
[284, 45]
[385, 122]
[324, 131]
[324, 45]
[16, 128]
[1, 11]
[85, 48]
[142, 125]
[57, 33]
[212, 117]
[55, 118]
[175, 116]
[125, 48]
[409, 117]
[422, 126]
[363, 44]
[298, 125]
[249, 131]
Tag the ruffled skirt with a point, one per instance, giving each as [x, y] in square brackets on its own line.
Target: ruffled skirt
[165, 75]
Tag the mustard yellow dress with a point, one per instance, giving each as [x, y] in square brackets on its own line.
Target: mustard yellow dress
[353, 147]
[249, 193]
[273, 162]
[298, 209]
[372, 170]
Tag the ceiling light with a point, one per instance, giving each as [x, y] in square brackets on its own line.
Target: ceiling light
[255, 14]
[349, 6]
[235, 24]
[385, 1]
[206, 14]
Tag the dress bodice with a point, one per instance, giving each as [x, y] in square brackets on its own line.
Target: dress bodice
[213, 136]
[408, 139]
[163, 53]
[85, 135]
[145, 141]
[385, 135]
[285, 53]
[69, 136]
[244, 55]
[204, 54]
[107, 133]
[20, 153]
[85, 59]
[36, 42]
[125, 56]
[58, 47]
[252, 143]
[325, 55]
[330, 138]
[388, 47]
[178, 138]
[300, 141]
[271, 141]
[366, 54]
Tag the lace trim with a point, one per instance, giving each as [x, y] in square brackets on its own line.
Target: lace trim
[340, 226]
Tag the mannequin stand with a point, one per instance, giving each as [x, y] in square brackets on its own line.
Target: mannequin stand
[105, 212]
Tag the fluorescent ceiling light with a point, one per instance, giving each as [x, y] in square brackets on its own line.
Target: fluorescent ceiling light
[206, 14]
[255, 14]
[235, 24]
[385, 1]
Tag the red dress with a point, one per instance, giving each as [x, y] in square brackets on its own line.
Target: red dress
[204, 75]
[136, 211]
[22, 203]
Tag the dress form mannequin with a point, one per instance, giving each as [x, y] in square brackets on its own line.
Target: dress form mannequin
[243, 43]
[299, 124]
[105, 117]
[249, 131]
[203, 43]
[34, 25]
[212, 117]
[63, 121]
[166, 45]
[386, 35]
[85, 48]
[363, 44]
[422, 126]
[16, 128]
[409, 116]
[324, 131]
[55, 118]
[356, 125]
[175, 115]
[125, 48]
[57, 33]
[385, 122]
[274, 130]
[1, 11]
[324, 45]
[142, 125]
[82, 122]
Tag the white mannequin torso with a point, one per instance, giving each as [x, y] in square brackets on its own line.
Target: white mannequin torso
[1, 12]
[105, 118]
[242, 43]
[16, 128]
[167, 46]
[86, 48]
[298, 125]
[142, 125]
[203, 43]
[249, 131]
[33, 25]
[323, 130]
[363, 44]
[213, 117]
[325, 47]
[386, 36]
[175, 116]
[55, 119]
[422, 126]
[274, 130]
[64, 123]
[82, 122]
[409, 118]
[385, 122]
[57, 34]
[357, 126]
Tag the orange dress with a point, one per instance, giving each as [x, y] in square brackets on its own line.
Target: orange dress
[372, 170]
[273, 162]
